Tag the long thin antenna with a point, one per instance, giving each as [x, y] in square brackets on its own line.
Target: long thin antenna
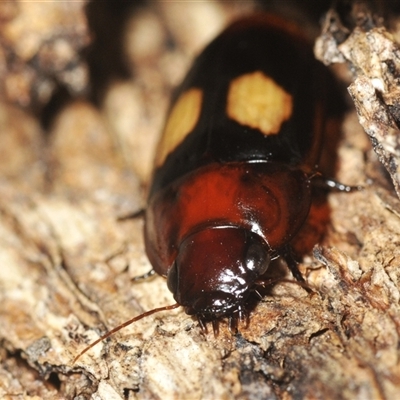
[119, 327]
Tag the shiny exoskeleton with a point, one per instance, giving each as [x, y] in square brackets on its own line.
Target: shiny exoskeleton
[232, 179]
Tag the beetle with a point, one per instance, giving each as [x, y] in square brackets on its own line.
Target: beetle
[232, 183]
[234, 169]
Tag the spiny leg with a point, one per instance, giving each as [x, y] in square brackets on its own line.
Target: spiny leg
[292, 263]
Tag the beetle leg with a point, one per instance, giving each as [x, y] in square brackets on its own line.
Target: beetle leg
[244, 317]
[136, 214]
[258, 294]
[292, 263]
[233, 324]
[202, 324]
[147, 275]
[215, 325]
[331, 184]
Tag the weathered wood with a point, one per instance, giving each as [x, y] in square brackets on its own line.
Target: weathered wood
[66, 263]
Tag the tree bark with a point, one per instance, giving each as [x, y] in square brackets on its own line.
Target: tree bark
[67, 259]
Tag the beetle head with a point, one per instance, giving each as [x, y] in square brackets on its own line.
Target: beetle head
[216, 270]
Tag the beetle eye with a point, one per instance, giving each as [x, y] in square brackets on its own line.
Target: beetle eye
[172, 278]
[257, 258]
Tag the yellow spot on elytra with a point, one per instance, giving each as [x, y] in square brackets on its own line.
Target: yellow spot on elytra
[259, 102]
[181, 121]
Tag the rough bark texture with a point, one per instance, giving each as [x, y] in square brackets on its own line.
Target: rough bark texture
[66, 260]
[374, 57]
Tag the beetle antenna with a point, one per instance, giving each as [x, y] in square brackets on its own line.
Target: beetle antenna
[119, 327]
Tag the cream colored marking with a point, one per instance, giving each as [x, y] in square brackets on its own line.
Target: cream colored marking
[258, 101]
[181, 121]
